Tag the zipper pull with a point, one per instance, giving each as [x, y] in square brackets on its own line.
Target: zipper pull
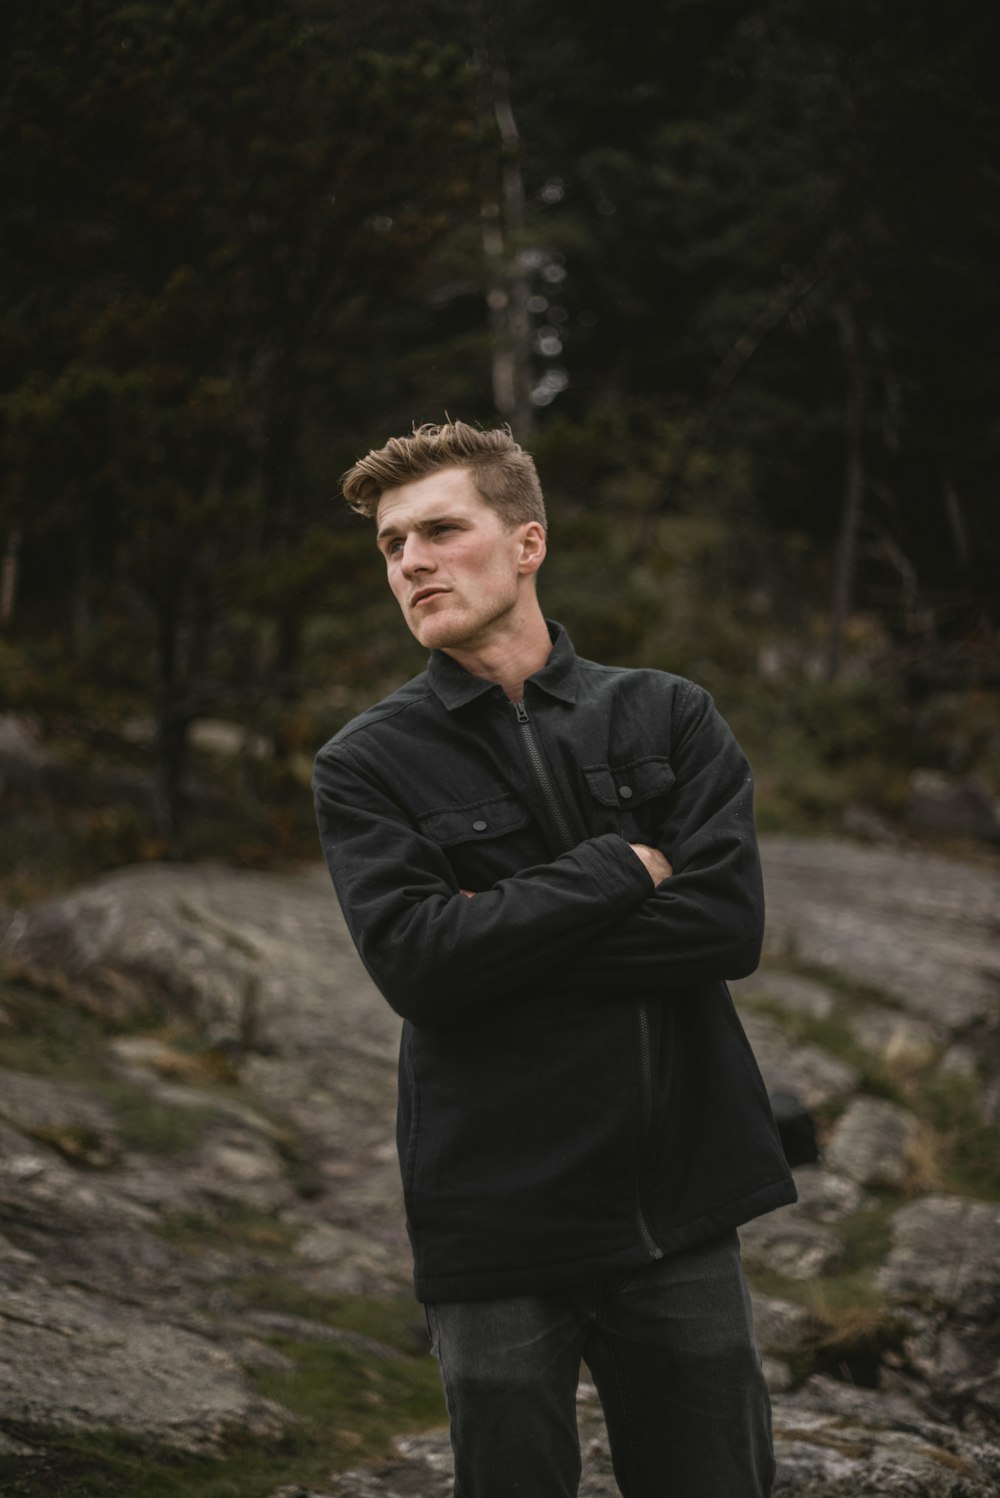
[522, 711]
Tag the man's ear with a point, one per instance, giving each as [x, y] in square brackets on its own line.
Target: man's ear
[533, 548]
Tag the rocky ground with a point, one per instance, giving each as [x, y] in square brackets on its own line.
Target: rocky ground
[203, 1268]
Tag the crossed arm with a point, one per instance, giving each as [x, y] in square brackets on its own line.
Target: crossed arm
[608, 917]
[652, 860]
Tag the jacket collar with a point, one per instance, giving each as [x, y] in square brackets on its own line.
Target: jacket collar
[558, 677]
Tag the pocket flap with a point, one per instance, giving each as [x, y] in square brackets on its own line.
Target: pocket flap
[478, 819]
[630, 784]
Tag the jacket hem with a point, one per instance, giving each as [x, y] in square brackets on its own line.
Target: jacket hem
[499, 1283]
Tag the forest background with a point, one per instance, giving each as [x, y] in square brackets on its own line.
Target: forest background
[727, 267]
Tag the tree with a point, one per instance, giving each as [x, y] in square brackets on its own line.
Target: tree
[208, 206]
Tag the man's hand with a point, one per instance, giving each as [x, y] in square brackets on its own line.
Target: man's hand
[653, 861]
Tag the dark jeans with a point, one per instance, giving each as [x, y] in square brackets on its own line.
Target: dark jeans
[672, 1352]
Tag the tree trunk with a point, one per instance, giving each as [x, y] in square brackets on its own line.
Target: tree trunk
[956, 520]
[503, 225]
[82, 625]
[9, 574]
[172, 724]
[854, 485]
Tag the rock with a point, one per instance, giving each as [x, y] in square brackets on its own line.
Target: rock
[8, 1251]
[19, 740]
[897, 1038]
[918, 926]
[827, 1197]
[343, 1261]
[777, 1375]
[261, 967]
[74, 1359]
[262, 964]
[953, 808]
[237, 1164]
[220, 736]
[833, 1454]
[797, 995]
[873, 1143]
[863, 1450]
[943, 1271]
[779, 1326]
[812, 1075]
[873, 1406]
[67, 1117]
[867, 826]
[425, 1468]
[949, 1367]
[301, 1329]
[292, 1491]
[960, 1061]
[945, 1250]
[990, 1101]
[786, 1242]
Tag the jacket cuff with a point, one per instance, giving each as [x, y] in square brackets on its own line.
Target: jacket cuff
[620, 872]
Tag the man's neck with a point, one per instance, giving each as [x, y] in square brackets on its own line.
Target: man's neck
[509, 659]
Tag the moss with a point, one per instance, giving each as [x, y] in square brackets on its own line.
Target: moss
[867, 1236]
[850, 1326]
[969, 1147]
[231, 1225]
[832, 1033]
[396, 1321]
[348, 1406]
[76, 1143]
[152, 1126]
[351, 1403]
[48, 1037]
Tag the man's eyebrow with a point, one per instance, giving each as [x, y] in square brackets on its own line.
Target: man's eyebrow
[386, 531]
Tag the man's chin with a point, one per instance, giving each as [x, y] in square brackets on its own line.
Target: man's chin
[441, 631]
[441, 639]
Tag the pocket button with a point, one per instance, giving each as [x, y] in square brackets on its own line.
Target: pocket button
[625, 792]
[479, 826]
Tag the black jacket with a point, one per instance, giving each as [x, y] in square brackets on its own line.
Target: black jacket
[576, 1093]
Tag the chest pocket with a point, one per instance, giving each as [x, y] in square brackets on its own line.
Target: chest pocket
[481, 838]
[631, 798]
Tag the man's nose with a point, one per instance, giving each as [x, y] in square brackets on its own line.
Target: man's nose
[417, 556]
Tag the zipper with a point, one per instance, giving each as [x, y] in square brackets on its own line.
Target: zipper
[565, 837]
[563, 834]
[649, 1243]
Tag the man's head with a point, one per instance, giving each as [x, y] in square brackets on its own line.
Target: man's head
[503, 473]
[461, 525]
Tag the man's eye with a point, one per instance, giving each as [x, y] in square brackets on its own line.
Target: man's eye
[394, 548]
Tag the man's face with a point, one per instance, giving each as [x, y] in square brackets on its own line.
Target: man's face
[459, 576]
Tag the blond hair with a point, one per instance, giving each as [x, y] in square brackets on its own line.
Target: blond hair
[503, 473]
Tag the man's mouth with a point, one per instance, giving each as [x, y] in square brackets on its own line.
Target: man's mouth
[426, 593]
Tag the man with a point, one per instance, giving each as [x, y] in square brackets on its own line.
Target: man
[549, 869]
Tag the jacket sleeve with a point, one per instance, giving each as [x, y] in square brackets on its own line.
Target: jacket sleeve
[437, 956]
[707, 920]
